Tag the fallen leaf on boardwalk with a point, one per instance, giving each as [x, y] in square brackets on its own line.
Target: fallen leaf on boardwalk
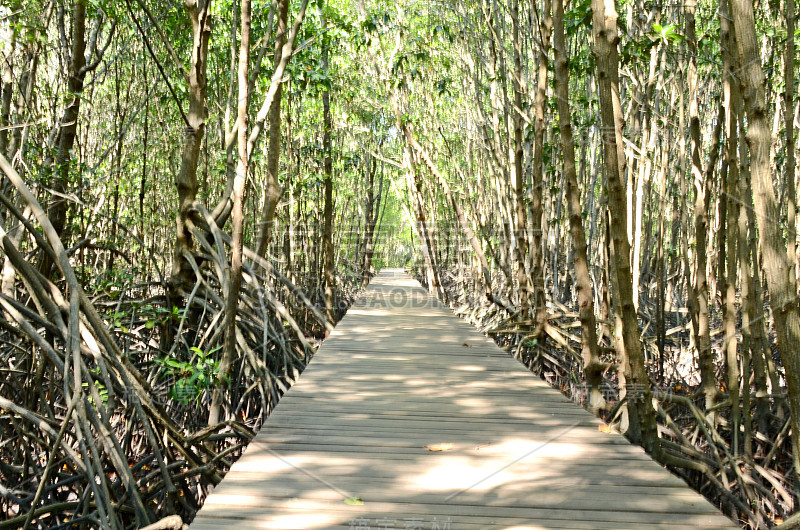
[604, 428]
[354, 501]
[466, 345]
[439, 447]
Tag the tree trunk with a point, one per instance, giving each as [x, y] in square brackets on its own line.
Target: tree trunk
[729, 243]
[779, 270]
[649, 131]
[327, 222]
[661, 262]
[27, 82]
[182, 277]
[642, 426]
[592, 366]
[7, 85]
[145, 138]
[702, 189]
[788, 120]
[730, 226]
[274, 189]
[520, 191]
[57, 211]
[372, 208]
[537, 192]
[235, 285]
[426, 242]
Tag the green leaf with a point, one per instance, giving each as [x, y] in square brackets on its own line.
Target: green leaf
[354, 501]
[668, 32]
[183, 391]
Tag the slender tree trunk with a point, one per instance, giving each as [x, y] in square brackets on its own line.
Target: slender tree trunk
[426, 242]
[290, 209]
[327, 228]
[762, 352]
[57, 211]
[25, 92]
[520, 189]
[274, 189]
[730, 227]
[752, 317]
[7, 83]
[702, 188]
[372, 209]
[182, 277]
[788, 121]
[235, 285]
[145, 138]
[592, 366]
[642, 426]
[369, 220]
[120, 134]
[25, 86]
[729, 313]
[680, 225]
[537, 192]
[779, 270]
[648, 126]
[661, 263]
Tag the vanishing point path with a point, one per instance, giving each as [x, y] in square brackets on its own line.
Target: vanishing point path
[408, 418]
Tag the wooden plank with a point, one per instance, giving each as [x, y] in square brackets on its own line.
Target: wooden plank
[442, 397]
[465, 523]
[495, 422]
[474, 405]
[578, 451]
[481, 436]
[440, 392]
[270, 509]
[260, 461]
[436, 424]
[395, 379]
[575, 498]
[611, 484]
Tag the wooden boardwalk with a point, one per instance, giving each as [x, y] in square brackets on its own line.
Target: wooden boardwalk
[401, 375]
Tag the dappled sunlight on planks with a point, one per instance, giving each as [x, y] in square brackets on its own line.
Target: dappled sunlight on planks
[408, 414]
